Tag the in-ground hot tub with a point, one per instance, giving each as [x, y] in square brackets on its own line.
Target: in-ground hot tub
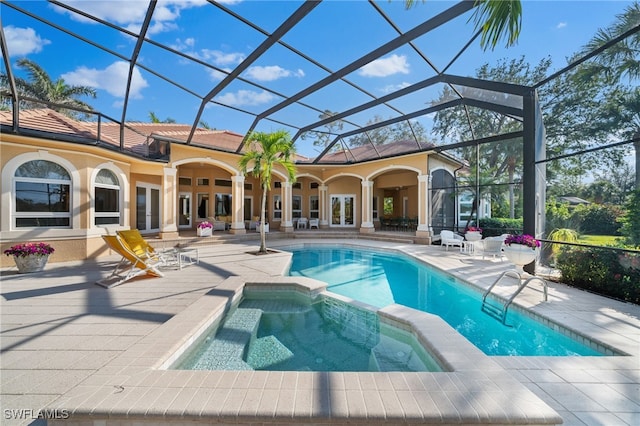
[287, 330]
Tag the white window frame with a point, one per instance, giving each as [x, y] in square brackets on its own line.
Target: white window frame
[118, 188]
[314, 213]
[222, 195]
[277, 207]
[16, 215]
[7, 195]
[296, 213]
[199, 197]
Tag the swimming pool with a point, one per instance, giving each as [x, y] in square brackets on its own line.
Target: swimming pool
[381, 278]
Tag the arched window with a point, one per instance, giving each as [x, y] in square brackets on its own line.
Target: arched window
[42, 195]
[107, 198]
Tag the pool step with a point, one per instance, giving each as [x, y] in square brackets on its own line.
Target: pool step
[267, 352]
[392, 355]
[226, 350]
[275, 306]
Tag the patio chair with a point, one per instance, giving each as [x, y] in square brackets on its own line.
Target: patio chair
[314, 223]
[302, 223]
[130, 266]
[450, 238]
[218, 225]
[492, 246]
[141, 247]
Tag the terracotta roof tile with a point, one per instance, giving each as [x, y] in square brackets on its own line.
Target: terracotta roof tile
[368, 152]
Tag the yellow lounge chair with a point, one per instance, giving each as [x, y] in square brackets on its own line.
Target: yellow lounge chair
[141, 247]
[130, 266]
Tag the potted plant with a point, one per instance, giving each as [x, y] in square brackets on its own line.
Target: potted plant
[521, 249]
[204, 229]
[30, 257]
[473, 233]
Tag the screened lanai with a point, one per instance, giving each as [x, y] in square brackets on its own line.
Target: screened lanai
[255, 66]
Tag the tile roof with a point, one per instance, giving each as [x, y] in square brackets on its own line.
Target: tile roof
[138, 135]
[370, 152]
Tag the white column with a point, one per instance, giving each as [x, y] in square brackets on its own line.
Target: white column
[424, 212]
[322, 205]
[287, 215]
[237, 202]
[169, 200]
[366, 225]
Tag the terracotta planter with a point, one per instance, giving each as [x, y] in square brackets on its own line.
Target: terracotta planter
[28, 264]
[520, 255]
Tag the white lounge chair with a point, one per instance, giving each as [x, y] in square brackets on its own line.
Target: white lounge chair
[314, 223]
[492, 246]
[450, 238]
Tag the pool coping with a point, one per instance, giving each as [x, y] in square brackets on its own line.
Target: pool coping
[136, 386]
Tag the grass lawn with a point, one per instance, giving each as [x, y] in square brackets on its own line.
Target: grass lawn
[598, 240]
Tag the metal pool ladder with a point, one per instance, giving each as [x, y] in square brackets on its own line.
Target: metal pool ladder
[500, 312]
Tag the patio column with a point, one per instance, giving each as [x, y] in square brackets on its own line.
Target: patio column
[168, 226]
[366, 225]
[322, 205]
[237, 203]
[423, 233]
[286, 224]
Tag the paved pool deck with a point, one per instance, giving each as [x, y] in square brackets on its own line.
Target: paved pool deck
[70, 347]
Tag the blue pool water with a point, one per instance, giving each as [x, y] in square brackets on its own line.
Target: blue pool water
[286, 331]
[382, 278]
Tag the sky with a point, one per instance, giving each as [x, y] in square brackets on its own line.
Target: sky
[333, 34]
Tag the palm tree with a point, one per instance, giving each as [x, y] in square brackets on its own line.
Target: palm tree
[155, 119]
[496, 19]
[40, 86]
[615, 63]
[266, 150]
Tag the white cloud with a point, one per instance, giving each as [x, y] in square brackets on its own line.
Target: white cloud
[561, 25]
[113, 79]
[216, 75]
[130, 14]
[394, 87]
[272, 72]
[23, 41]
[221, 58]
[384, 67]
[245, 98]
[215, 57]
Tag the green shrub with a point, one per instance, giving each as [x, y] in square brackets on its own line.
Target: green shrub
[630, 228]
[492, 226]
[603, 271]
[598, 219]
[557, 216]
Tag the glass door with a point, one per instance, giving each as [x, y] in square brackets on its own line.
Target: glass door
[148, 208]
[248, 208]
[343, 210]
[184, 210]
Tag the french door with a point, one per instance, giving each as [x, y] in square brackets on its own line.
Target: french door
[184, 210]
[343, 210]
[148, 207]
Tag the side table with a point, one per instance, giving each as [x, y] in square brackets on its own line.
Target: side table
[179, 257]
